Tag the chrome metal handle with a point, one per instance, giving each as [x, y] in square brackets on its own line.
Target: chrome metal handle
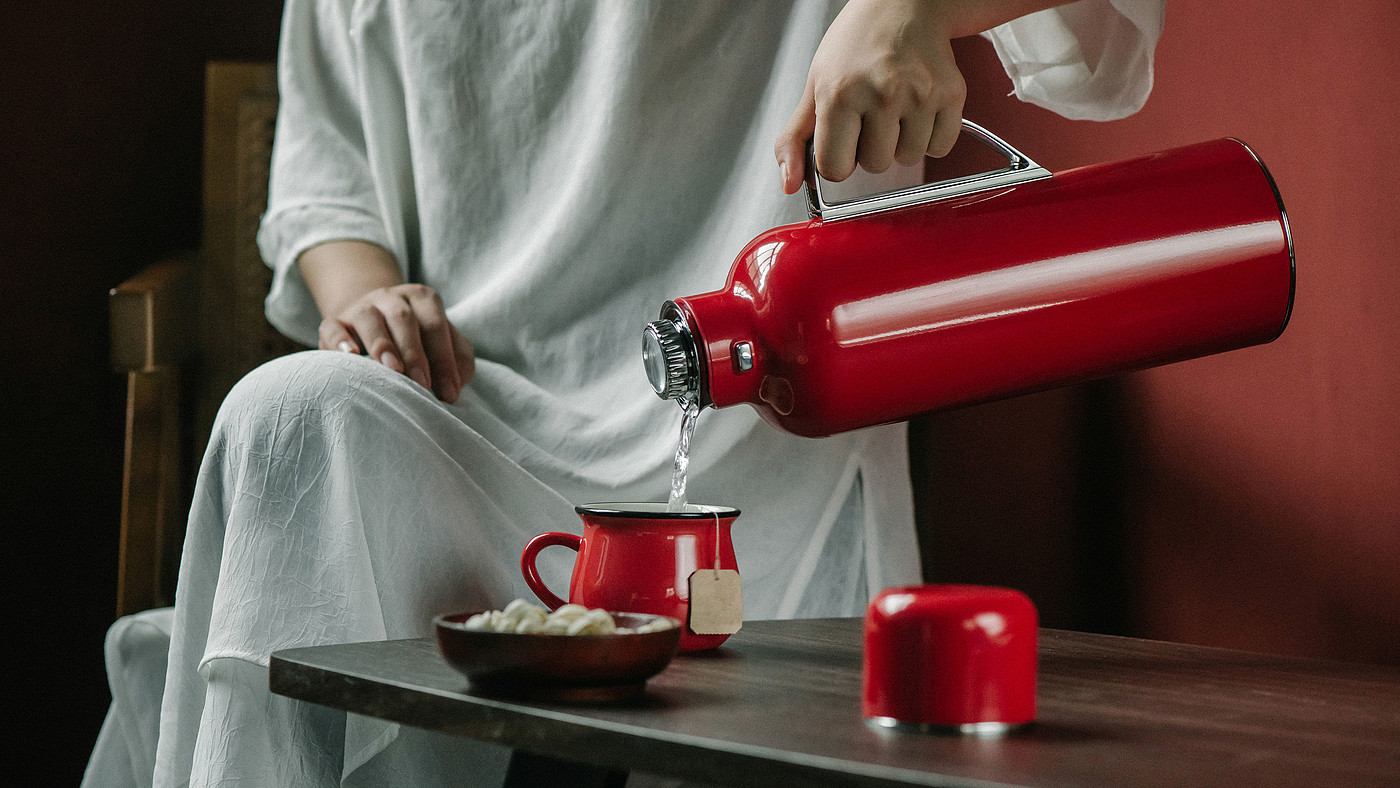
[1019, 169]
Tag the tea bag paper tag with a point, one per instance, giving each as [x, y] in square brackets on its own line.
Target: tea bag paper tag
[716, 602]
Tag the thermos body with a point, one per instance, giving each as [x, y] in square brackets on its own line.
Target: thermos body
[833, 325]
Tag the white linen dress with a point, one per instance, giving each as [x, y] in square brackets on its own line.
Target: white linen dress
[555, 170]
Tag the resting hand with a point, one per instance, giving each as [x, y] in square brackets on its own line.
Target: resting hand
[367, 309]
[405, 328]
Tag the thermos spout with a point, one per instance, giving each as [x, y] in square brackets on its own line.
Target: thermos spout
[668, 352]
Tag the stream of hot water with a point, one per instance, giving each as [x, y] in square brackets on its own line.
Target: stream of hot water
[691, 406]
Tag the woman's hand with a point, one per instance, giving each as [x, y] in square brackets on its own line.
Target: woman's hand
[405, 328]
[884, 85]
[369, 310]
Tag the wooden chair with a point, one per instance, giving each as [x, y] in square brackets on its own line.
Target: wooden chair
[185, 329]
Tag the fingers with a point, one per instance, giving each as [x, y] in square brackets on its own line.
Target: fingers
[946, 129]
[837, 136]
[884, 86]
[465, 355]
[915, 132]
[331, 335]
[406, 329]
[436, 333]
[791, 147]
[367, 322]
[879, 136]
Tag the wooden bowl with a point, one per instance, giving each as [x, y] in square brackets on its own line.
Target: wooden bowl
[557, 667]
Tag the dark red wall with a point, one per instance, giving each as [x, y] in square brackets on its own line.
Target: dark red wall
[1250, 499]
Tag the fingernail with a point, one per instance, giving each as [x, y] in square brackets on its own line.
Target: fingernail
[783, 173]
[346, 346]
[388, 359]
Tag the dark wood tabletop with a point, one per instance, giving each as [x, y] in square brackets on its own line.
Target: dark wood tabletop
[779, 705]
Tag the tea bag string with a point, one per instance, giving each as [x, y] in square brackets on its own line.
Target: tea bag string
[716, 514]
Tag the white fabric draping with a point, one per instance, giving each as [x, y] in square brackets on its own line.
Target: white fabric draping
[1090, 60]
[555, 171]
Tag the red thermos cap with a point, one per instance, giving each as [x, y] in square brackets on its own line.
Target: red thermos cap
[950, 658]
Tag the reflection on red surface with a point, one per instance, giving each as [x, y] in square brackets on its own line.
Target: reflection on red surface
[1045, 283]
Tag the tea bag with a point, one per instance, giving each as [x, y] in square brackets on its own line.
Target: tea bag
[716, 602]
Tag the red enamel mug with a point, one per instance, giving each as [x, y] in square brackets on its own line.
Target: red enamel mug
[638, 558]
[984, 287]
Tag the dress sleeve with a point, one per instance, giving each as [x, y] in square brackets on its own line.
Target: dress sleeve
[322, 187]
[1089, 60]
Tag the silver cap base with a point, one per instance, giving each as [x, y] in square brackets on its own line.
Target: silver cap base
[984, 730]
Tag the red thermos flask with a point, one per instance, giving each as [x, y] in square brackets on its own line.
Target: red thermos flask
[984, 287]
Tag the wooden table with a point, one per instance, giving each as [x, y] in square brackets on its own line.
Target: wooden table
[779, 705]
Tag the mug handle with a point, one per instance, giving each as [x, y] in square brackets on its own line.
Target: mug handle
[532, 575]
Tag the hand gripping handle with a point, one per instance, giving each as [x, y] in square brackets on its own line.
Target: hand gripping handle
[532, 575]
[1019, 169]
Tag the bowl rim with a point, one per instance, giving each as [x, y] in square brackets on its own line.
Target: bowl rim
[451, 622]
